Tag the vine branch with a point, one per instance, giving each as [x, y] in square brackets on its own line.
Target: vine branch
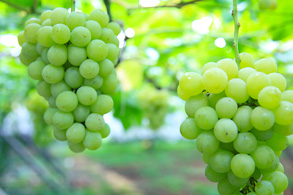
[72, 5]
[15, 6]
[178, 5]
[108, 7]
[236, 31]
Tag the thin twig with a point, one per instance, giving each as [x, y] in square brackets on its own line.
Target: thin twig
[236, 31]
[178, 5]
[15, 6]
[34, 7]
[108, 7]
[72, 5]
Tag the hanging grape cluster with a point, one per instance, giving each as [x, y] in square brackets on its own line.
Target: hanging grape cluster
[72, 55]
[240, 120]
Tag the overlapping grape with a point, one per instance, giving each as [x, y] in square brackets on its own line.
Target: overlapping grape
[241, 119]
[72, 55]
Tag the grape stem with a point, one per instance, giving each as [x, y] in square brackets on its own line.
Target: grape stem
[72, 5]
[236, 31]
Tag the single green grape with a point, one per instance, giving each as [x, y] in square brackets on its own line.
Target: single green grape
[73, 78]
[206, 117]
[226, 107]
[207, 142]
[229, 66]
[86, 95]
[53, 74]
[89, 69]
[66, 101]
[266, 65]
[81, 112]
[102, 105]
[191, 83]
[215, 80]
[76, 55]
[189, 130]
[225, 130]
[75, 133]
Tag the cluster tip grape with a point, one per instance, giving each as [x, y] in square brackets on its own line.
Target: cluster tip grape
[240, 118]
[72, 56]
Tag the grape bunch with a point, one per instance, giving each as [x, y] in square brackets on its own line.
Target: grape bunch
[241, 118]
[154, 103]
[72, 55]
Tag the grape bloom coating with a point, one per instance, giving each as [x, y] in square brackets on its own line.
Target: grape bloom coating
[72, 55]
[240, 118]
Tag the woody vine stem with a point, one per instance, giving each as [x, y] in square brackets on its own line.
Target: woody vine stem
[72, 5]
[236, 31]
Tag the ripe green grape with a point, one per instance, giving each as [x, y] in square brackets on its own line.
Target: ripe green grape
[108, 36]
[236, 181]
[97, 50]
[102, 105]
[220, 161]
[262, 118]
[245, 143]
[256, 82]
[206, 117]
[214, 98]
[212, 175]
[75, 133]
[269, 97]
[226, 107]
[287, 96]
[264, 187]
[95, 83]
[44, 36]
[43, 88]
[53, 74]
[242, 165]
[225, 187]
[94, 122]
[81, 112]
[226, 130]
[242, 118]
[89, 69]
[113, 52]
[30, 32]
[106, 67]
[80, 36]
[57, 55]
[60, 33]
[105, 131]
[25, 60]
[278, 80]
[283, 129]
[45, 15]
[66, 101]
[21, 38]
[273, 168]
[191, 83]
[284, 113]
[62, 120]
[207, 142]
[32, 20]
[73, 78]
[86, 95]
[237, 90]
[58, 16]
[52, 101]
[48, 115]
[263, 157]
[74, 19]
[228, 146]
[208, 66]
[100, 16]
[244, 73]
[229, 66]
[76, 55]
[35, 70]
[110, 83]
[77, 148]
[263, 135]
[44, 56]
[246, 60]
[92, 140]
[215, 80]
[189, 130]
[47, 23]
[278, 179]
[266, 65]
[59, 134]
[94, 27]
[278, 142]
[40, 48]
[29, 51]
[181, 94]
[194, 103]
[58, 88]
[115, 27]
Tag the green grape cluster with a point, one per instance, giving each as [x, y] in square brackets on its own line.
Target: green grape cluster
[155, 106]
[241, 118]
[72, 55]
